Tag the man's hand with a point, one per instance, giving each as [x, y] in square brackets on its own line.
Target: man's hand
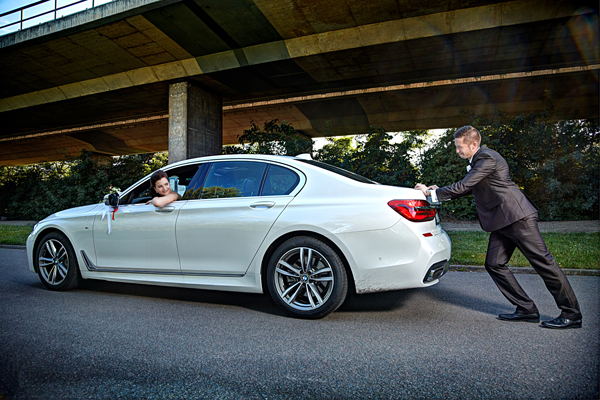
[425, 189]
[422, 188]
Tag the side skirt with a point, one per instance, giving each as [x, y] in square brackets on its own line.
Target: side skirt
[93, 268]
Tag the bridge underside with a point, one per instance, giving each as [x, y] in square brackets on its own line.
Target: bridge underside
[104, 85]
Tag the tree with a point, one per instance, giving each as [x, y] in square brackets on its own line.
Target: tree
[36, 191]
[279, 138]
[556, 163]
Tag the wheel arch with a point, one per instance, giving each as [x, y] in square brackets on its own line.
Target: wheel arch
[276, 243]
[39, 238]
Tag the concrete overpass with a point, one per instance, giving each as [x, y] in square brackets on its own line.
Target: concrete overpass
[137, 76]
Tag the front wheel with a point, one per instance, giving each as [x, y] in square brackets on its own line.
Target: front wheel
[307, 278]
[56, 262]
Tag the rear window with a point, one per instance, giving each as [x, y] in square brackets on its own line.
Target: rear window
[339, 171]
[279, 181]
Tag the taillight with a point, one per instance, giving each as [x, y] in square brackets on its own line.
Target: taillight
[414, 210]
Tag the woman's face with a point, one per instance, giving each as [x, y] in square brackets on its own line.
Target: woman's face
[162, 187]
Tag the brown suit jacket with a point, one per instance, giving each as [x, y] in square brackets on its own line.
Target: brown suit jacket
[498, 199]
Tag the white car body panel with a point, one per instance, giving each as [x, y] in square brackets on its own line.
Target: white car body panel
[240, 222]
[142, 238]
[222, 243]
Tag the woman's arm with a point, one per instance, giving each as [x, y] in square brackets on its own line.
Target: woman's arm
[164, 200]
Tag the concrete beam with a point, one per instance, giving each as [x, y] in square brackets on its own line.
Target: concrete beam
[465, 20]
[195, 122]
[114, 10]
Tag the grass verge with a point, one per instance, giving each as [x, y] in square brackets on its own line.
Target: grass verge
[571, 250]
[14, 234]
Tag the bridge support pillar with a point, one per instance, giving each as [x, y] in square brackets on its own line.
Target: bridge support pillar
[195, 122]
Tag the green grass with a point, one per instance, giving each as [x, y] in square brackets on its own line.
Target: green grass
[14, 234]
[571, 250]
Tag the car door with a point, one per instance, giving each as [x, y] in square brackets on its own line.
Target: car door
[142, 236]
[219, 233]
[142, 239]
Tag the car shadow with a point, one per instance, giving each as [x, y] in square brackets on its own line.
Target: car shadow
[370, 302]
[426, 298]
[252, 301]
[383, 301]
[441, 293]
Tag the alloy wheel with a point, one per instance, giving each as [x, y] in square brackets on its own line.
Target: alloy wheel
[53, 262]
[304, 278]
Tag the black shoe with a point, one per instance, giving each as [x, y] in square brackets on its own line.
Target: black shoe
[517, 316]
[562, 323]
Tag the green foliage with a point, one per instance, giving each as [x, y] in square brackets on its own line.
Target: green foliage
[441, 165]
[375, 156]
[556, 163]
[279, 138]
[36, 191]
[215, 192]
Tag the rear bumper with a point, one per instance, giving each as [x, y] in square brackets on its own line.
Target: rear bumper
[436, 271]
[396, 258]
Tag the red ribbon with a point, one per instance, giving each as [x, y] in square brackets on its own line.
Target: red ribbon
[114, 211]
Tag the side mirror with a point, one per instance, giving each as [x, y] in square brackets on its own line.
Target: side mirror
[111, 200]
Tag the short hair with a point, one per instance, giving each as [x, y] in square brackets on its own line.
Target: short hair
[469, 133]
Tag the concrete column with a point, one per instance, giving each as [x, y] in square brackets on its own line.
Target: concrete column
[195, 122]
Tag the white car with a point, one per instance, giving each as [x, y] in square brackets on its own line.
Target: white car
[303, 230]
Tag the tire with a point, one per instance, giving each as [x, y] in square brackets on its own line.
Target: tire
[307, 278]
[56, 262]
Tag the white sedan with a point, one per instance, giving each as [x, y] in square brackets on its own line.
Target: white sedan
[303, 230]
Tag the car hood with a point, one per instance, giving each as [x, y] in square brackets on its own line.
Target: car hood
[75, 211]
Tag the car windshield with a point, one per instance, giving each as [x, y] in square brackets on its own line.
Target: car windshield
[340, 171]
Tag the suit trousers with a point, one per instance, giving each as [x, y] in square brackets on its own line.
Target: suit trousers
[525, 235]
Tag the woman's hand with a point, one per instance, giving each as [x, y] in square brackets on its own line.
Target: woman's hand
[164, 200]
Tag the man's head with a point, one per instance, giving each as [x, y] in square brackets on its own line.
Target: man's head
[467, 140]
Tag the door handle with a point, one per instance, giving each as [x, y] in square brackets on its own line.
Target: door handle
[263, 204]
[164, 210]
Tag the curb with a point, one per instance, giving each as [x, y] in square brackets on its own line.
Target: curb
[526, 270]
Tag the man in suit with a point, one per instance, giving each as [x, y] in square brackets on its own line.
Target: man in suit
[512, 220]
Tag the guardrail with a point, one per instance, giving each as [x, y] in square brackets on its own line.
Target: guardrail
[21, 19]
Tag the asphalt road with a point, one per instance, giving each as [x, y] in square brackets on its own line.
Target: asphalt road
[118, 341]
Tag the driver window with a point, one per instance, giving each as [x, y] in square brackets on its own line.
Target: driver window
[179, 180]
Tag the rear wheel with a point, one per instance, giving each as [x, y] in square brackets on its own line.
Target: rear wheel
[56, 262]
[306, 278]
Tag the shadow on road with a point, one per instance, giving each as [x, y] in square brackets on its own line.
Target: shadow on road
[373, 302]
[384, 301]
[428, 298]
[255, 302]
[440, 293]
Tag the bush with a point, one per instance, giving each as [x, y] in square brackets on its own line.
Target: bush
[556, 163]
[375, 156]
[36, 191]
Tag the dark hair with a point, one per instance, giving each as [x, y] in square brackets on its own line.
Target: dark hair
[469, 133]
[156, 176]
